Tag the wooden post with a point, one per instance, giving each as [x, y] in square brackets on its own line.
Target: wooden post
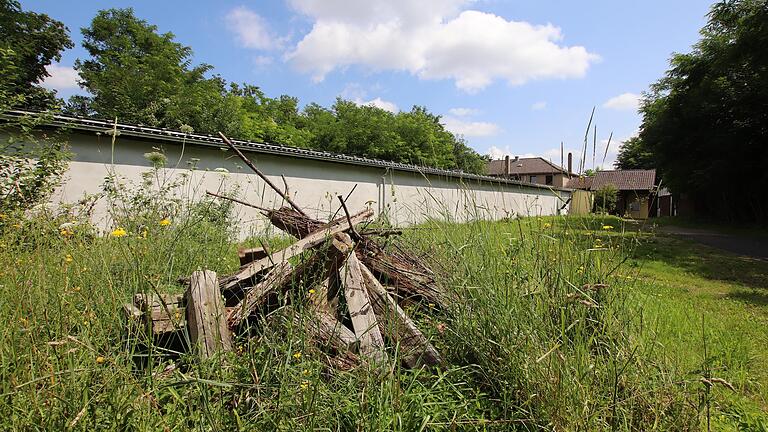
[206, 317]
[363, 319]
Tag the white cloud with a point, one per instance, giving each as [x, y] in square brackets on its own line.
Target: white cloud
[538, 106]
[251, 30]
[262, 61]
[61, 77]
[624, 102]
[464, 112]
[470, 128]
[432, 39]
[497, 153]
[379, 103]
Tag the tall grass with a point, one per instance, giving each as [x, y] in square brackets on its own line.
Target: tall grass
[531, 341]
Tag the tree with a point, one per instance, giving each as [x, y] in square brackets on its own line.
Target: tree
[706, 121]
[29, 42]
[141, 76]
[635, 154]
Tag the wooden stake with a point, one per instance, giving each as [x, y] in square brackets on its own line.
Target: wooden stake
[208, 330]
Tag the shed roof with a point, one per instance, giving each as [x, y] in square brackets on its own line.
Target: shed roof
[524, 166]
[624, 179]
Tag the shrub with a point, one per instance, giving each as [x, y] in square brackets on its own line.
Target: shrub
[605, 199]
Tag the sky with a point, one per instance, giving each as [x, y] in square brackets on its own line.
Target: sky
[512, 77]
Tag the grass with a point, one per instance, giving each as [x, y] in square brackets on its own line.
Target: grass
[530, 343]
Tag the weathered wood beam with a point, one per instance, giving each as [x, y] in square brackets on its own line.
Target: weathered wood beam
[250, 255]
[277, 277]
[308, 242]
[206, 317]
[329, 333]
[363, 318]
[415, 350]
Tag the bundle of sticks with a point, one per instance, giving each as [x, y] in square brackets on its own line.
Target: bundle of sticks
[339, 262]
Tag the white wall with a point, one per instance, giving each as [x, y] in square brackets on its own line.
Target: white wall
[404, 197]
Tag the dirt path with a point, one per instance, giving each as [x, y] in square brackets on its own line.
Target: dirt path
[752, 246]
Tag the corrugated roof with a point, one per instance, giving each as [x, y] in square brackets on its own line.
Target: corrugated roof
[162, 134]
[524, 166]
[625, 179]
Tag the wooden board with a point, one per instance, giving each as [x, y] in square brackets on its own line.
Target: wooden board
[206, 318]
[415, 350]
[251, 254]
[308, 242]
[257, 295]
[330, 333]
[363, 318]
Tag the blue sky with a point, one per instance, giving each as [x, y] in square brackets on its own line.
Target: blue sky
[513, 77]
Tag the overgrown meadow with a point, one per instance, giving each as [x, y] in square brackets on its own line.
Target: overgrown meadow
[546, 331]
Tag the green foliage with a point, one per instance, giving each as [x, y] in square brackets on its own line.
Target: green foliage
[144, 77]
[705, 121]
[605, 199]
[634, 154]
[28, 43]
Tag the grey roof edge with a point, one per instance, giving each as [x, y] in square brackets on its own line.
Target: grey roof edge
[95, 125]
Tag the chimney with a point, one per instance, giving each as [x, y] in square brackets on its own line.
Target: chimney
[507, 166]
[570, 163]
[517, 158]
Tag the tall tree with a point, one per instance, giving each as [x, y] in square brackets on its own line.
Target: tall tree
[635, 154]
[706, 121]
[141, 76]
[29, 42]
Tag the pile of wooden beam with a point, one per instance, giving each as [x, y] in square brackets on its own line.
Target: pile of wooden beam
[358, 291]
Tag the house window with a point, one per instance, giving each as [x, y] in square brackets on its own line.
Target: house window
[532, 179]
[548, 180]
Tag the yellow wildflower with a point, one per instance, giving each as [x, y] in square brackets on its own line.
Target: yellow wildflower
[607, 227]
[68, 258]
[305, 372]
[17, 225]
[76, 289]
[547, 225]
[165, 222]
[304, 385]
[144, 233]
[119, 232]
[312, 291]
[297, 355]
[100, 359]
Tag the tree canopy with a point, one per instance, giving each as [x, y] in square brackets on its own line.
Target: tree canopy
[29, 42]
[633, 154]
[706, 122]
[141, 76]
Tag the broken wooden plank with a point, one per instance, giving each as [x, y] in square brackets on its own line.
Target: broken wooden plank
[170, 319]
[131, 312]
[415, 350]
[307, 242]
[257, 295]
[363, 318]
[206, 318]
[145, 302]
[249, 255]
[328, 332]
[410, 277]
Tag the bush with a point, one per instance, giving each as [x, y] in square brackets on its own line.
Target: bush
[605, 199]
